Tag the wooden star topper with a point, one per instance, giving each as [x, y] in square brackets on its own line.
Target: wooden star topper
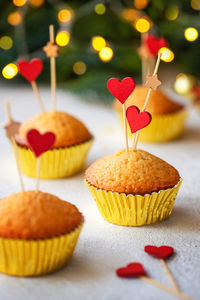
[152, 82]
[12, 129]
[51, 49]
[143, 52]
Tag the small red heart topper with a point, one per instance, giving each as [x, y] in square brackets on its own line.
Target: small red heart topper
[162, 252]
[30, 70]
[132, 270]
[40, 143]
[136, 119]
[154, 44]
[121, 89]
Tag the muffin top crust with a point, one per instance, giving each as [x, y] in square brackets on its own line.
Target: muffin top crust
[36, 215]
[132, 172]
[159, 103]
[69, 131]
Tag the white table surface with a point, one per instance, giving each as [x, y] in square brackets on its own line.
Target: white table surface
[104, 247]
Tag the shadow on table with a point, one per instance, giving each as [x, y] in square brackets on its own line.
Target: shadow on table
[184, 218]
[191, 134]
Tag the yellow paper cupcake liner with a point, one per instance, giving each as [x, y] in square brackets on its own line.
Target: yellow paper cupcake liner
[134, 210]
[162, 128]
[55, 163]
[36, 257]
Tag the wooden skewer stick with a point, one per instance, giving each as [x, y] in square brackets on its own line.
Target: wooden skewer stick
[136, 137]
[37, 93]
[14, 148]
[38, 173]
[171, 277]
[145, 63]
[53, 70]
[166, 288]
[125, 126]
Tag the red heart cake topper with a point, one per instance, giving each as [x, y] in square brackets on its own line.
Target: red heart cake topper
[121, 89]
[162, 252]
[154, 44]
[30, 70]
[132, 270]
[40, 143]
[136, 119]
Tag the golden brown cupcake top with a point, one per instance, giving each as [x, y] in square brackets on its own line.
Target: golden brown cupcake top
[36, 215]
[132, 172]
[68, 130]
[159, 103]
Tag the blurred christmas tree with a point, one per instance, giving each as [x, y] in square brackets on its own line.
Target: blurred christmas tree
[97, 39]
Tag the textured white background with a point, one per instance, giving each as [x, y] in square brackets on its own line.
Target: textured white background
[103, 247]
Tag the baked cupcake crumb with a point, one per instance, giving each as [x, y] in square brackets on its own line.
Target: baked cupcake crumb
[132, 172]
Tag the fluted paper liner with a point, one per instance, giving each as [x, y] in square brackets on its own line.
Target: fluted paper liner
[162, 128]
[55, 163]
[20, 257]
[134, 210]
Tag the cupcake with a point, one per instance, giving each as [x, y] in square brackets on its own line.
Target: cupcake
[133, 188]
[67, 157]
[168, 117]
[38, 233]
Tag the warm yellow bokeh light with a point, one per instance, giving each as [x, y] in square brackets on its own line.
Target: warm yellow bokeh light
[19, 2]
[195, 4]
[130, 14]
[171, 12]
[182, 84]
[63, 38]
[36, 3]
[79, 68]
[6, 42]
[167, 54]
[14, 18]
[140, 4]
[142, 25]
[10, 71]
[106, 54]
[64, 15]
[100, 9]
[191, 34]
[98, 42]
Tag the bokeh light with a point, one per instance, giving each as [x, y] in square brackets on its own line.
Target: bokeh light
[64, 15]
[36, 3]
[6, 42]
[142, 25]
[195, 4]
[14, 18]
[172, 12]
[62, 38]
[100, 9]
[10, 71]
[167, 54]
[19, 2]
[191, 34]
[140, 4]
[106, 54]
[130, 14]
[79, 68]
[182, 84]
[98, 42]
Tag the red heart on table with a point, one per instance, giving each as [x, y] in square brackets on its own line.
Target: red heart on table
[40, 143]
[136, 119]
[121, 89]
[132, 270]
[162, 252]
[154, 44]
[30, 70]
